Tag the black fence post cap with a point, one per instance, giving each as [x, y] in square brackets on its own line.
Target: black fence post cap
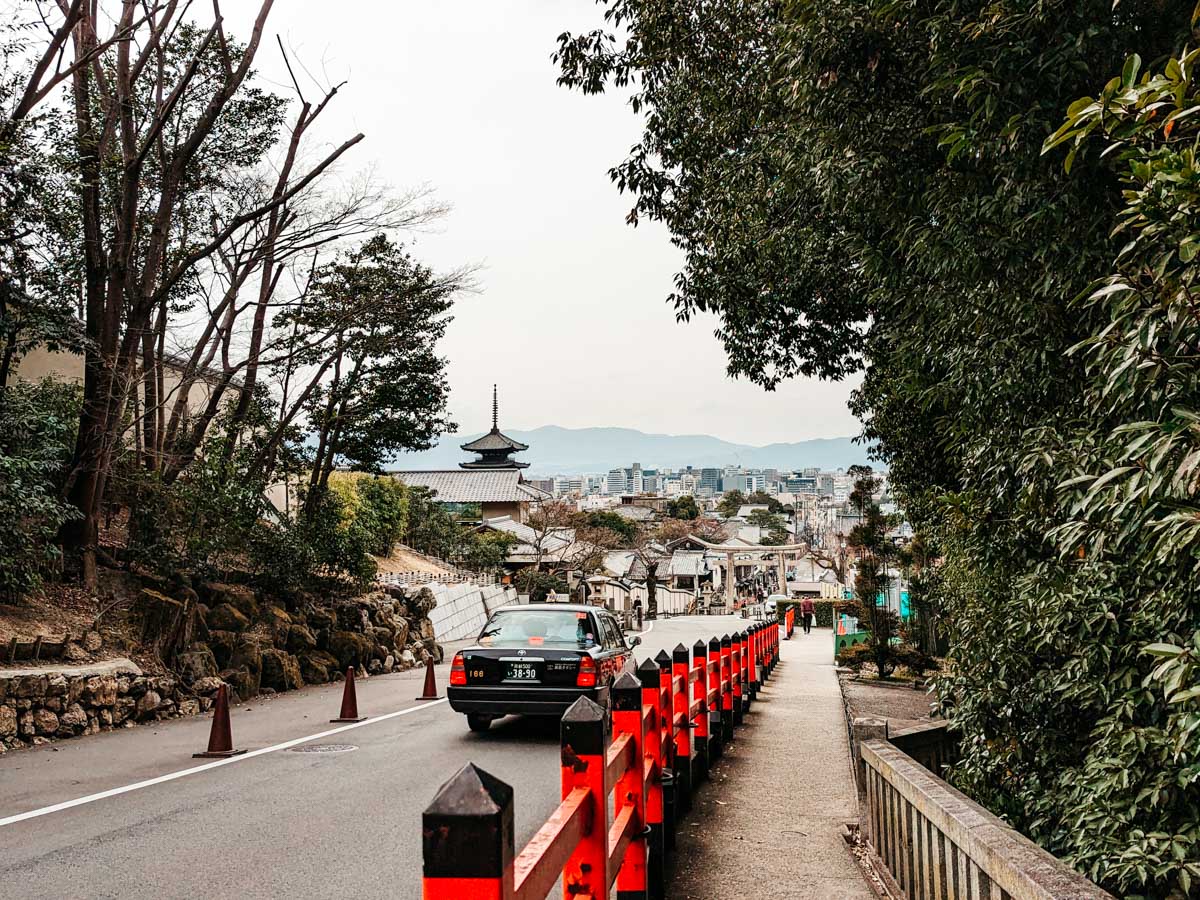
[700, 648]
[714, 645]
[663, 659]
[680, 654]
[627, 692]
[467, 831]
[648, 673]
[725, 640]
[583, 729]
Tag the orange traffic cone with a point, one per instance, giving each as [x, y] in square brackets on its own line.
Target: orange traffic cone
[220, 739]
[349, 701]
[430, 692]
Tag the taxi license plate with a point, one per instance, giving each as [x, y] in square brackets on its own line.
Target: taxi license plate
[522, 671]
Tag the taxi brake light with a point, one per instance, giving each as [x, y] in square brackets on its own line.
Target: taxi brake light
[587, 672]
[458, 672]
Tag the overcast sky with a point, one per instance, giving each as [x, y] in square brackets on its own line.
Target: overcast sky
[571, 318]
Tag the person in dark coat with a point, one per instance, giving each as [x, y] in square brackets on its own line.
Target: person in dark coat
[807, 610]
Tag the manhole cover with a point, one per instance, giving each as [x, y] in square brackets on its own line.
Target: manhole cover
[323, 748]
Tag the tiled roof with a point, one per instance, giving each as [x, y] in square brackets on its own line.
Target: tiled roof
[556, 544]
[475, 485]
[618, 562]
[687, 563]
[494, 440]
[634, 513]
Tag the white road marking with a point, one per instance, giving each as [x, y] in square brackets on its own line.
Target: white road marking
[216, 764]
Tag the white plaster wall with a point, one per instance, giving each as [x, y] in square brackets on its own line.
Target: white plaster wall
[462, 609]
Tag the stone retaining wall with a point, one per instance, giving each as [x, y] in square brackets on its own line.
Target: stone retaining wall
[37, 704]
[231, 634]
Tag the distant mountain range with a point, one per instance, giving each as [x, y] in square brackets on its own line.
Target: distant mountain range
[574, 451]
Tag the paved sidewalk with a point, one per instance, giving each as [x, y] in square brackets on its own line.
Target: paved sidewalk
[772, 828]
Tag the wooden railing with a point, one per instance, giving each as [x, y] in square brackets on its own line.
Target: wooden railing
[668, 723]
[930, 745]
[934, 842]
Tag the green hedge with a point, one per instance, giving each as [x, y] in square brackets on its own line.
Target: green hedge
[822, 611]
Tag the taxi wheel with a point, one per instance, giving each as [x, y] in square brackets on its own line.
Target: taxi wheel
[478, 722]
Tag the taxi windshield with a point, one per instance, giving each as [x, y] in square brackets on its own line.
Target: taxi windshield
[538, 628]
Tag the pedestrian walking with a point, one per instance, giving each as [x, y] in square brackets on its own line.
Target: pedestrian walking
[807, 610]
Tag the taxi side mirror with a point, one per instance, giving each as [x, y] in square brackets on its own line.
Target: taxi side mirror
[634, 642]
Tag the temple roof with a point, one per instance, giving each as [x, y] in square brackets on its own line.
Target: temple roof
[494, 448]
[494, 440]
[475, 486]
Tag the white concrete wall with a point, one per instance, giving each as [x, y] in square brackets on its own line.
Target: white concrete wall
[670, 600]
[462, 609]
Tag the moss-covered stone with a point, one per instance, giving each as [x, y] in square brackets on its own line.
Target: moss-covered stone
[317, 666]
[227, 618]
[280, 671]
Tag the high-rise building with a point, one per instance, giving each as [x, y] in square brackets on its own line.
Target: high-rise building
[616, 483]
[568, 486]
[800, 484]
[825, 483]
[710, 481]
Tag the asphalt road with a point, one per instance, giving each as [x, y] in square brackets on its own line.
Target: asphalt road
[286, 822]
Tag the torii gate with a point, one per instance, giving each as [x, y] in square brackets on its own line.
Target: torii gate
[779, 551]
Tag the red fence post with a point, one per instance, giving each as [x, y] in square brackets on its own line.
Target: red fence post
[772, 628]
[716, 727]
[726, 688]
[755, 635]
[650, 675]
[735, 677]
[744, 669]
[584, 738]
[757, 658]
[744, 661]
[467, 839]
[666, 719]
[630, 788]
[700, 721]
[681, 702]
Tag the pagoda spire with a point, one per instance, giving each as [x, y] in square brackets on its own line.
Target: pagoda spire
[495, 448]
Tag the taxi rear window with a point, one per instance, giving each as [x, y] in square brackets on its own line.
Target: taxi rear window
[539, 628]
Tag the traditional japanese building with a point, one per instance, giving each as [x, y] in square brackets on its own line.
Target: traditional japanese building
[495, 448]
[493, 480]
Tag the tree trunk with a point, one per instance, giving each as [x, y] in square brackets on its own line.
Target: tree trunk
[651, 591]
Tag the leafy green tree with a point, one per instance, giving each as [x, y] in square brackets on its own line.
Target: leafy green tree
[864, 185]
[774, 524]
[485, 551]
[37, 423]
[683, 508]
[762, 498]
[625, 529]
[538, 584]
[730, 503]
[873, 552]
[388, 387]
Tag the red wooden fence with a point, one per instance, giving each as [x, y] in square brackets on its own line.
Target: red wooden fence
[668, 723]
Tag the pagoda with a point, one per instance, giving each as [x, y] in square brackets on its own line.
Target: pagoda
[494, 448]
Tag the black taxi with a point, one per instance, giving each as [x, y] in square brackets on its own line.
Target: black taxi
[535, 660]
